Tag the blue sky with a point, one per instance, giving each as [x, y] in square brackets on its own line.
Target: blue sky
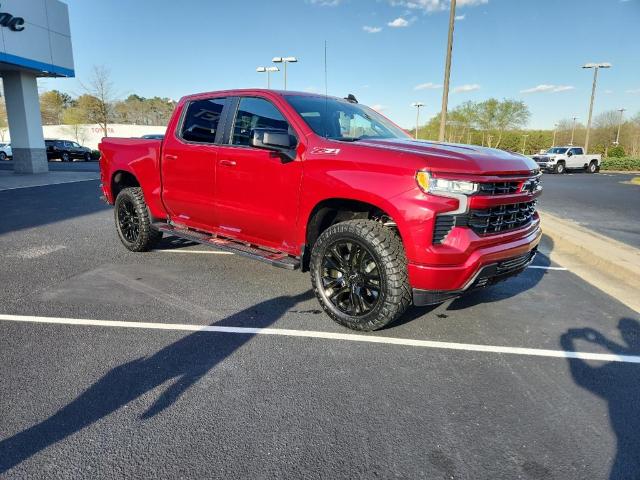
[502, 48]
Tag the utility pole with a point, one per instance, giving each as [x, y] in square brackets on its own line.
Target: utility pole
[447, 72]
[621, 110]
[418, 105]
[596, 67]
[573, 130]
[555, 130]
[524, 142]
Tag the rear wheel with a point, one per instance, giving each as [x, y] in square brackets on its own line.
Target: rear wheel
[3, 156]
[593, 167]
[359, 274]
[134, 222]
[560, 168]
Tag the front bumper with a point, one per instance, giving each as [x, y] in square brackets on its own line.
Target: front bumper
[436, 283]
[487, 275]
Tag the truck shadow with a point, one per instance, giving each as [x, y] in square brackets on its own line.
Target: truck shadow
[617, 383]
[183, 362]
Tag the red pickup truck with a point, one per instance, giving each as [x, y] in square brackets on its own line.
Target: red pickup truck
[332, 187]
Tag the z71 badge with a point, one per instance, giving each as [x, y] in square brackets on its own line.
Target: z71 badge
[324, 151]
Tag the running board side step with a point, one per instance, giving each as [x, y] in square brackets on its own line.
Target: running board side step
[272, 257]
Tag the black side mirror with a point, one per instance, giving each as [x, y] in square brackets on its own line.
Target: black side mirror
[569, 154]
[274, 139]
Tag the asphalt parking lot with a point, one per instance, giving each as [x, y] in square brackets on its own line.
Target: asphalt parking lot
[446, 393]
[606, 202]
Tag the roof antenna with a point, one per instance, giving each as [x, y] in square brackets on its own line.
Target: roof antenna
[326, 94]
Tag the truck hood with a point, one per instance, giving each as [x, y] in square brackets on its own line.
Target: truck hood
[456, 158]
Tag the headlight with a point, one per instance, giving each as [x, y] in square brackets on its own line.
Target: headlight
[429, 184]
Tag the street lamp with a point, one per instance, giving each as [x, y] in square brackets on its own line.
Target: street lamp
[596, 67]
[285, 60]
[573, 130]
[524, 142]
[268, 70]
[447, 72]
[555, 130]
[418, 105]
[621, 110]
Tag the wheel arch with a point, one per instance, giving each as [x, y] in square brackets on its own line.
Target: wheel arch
[122, 179]
[330, 211]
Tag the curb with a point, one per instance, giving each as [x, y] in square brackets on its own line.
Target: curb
[609, 265]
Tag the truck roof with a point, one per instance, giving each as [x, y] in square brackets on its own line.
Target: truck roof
[245, 91]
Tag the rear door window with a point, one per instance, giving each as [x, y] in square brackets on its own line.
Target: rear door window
[202, 120]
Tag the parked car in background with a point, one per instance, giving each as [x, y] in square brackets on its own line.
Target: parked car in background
[153, 136]
[561, 159]
[66, 150]
[5, 151]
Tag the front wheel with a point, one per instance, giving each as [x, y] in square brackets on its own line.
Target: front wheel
[3, 156]
[134, 222]
[87, 157]
[359, 274]
[65, 157]
[560, 168]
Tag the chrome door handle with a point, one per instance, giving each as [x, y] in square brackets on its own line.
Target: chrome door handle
[228, 163]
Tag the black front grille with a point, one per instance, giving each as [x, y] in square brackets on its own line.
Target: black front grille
[505, 188]
[501, 218]
[498, 188]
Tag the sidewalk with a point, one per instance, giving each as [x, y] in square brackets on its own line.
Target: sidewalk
[12, 181]
[609, 265]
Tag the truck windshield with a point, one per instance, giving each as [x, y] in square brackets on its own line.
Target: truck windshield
[342, 120]
[557, 150]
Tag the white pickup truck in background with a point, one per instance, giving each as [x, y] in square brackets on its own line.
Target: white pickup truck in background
[561, 159]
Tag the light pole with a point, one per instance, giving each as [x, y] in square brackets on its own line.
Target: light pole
[555, 130]
[573, 130]
[268, 70]
[447, 72]
[596, 67]
[621, 110]
[418, 105]
[285, 60]
[524, 142]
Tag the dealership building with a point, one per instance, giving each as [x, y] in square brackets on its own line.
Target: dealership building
[35, 42]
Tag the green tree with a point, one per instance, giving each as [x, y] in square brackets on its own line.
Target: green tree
[52, 106]
[74, 119]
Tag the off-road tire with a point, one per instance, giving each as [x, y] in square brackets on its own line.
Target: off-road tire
[387, 251]
[560, 168]
[147, 236]
[592, 167]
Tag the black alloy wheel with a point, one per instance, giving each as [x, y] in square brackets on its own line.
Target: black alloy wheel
[351, 277]
[128, 221]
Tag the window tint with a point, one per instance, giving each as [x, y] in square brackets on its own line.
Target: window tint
[202, 119]
[577, 151]
[256, 113]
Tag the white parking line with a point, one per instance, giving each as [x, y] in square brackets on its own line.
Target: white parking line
[547, 268]
[6, 189]
[206, 252]
[536, 352]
